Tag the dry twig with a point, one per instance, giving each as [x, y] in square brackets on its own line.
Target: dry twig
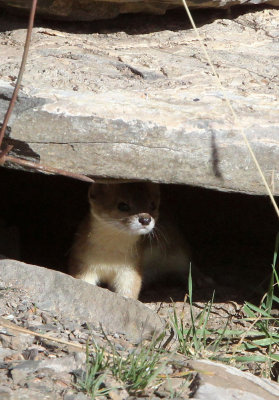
[10, 325]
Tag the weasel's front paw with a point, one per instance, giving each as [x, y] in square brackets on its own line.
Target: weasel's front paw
[128, 284]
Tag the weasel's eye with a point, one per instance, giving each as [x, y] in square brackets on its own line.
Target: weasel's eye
[153, 206]
[123, 206]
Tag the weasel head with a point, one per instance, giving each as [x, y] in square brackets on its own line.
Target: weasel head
[131, 208]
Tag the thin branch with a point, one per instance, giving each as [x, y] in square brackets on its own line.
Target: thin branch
[12, 326]
[21, 70]
[44, 168]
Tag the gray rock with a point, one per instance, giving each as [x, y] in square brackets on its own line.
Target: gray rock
[83, 10]
[211, 392]
[64, 364]
[149, 108]
[5, 393]
[80, 358]
[6, 352]
[55, 291]
[75, 396]
[15, 341]
[28, 394]
[39, 387]
[216, 381]
[30, 354]
[19, 375]
[44, 368]
[27, 367]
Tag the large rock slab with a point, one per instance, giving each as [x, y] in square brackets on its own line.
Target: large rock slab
[216, 381]
[89, 10]
[54, 291]
[147, 106]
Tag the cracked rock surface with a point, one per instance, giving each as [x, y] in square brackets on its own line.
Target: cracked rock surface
[84, 10]
[136, 98]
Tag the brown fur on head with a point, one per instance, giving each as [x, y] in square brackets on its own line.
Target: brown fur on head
[129, 207]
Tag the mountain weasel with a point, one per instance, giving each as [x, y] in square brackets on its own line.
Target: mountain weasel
[108, 246]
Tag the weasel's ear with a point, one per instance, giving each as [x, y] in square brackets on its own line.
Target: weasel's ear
[96, 190]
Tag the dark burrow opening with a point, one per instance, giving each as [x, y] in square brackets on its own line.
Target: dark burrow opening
[232, 235]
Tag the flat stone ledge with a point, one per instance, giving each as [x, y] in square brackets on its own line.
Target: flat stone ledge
[84, 10]
[149, 108]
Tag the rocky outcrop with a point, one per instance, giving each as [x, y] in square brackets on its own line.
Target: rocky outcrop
[89, 10]
[146, 106]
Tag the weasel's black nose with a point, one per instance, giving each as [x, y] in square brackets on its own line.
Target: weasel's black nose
[145, 220]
